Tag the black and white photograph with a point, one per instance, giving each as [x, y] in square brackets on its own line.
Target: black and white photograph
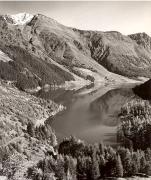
[75, 90]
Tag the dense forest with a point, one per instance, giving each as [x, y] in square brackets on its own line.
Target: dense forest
[135, 128]
[77, 160]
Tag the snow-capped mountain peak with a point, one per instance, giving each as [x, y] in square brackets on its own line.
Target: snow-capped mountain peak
[21, 18]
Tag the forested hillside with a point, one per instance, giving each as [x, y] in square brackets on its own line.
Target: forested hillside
[24, 133]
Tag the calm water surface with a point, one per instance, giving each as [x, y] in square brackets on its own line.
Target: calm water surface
[92, 117]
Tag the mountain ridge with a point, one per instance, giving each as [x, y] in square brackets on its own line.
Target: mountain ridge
[45, 41]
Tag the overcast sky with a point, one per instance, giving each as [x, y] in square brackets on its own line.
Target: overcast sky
[126, 17]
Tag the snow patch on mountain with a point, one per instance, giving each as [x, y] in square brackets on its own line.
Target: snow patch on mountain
[21, 18]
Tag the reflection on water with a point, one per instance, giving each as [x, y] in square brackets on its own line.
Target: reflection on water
[91, 113]
[92, 117]
[107, 107]
[60, 96]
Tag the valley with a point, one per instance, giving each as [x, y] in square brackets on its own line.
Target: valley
[62, 91]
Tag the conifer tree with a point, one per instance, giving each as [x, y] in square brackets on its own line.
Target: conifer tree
[81, 168]
[127, 164]
[101, 147]
[95, 171]
[118, 167]
[142, 163]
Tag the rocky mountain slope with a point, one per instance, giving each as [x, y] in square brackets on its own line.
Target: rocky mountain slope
[46, 52]
[142, 39]
[121, 54]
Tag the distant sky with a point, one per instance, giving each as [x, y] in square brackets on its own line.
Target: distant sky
[126, 17]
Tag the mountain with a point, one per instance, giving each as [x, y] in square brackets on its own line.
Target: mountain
[44, 51]
[121, 54]
[18, 19]
[142, 39]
